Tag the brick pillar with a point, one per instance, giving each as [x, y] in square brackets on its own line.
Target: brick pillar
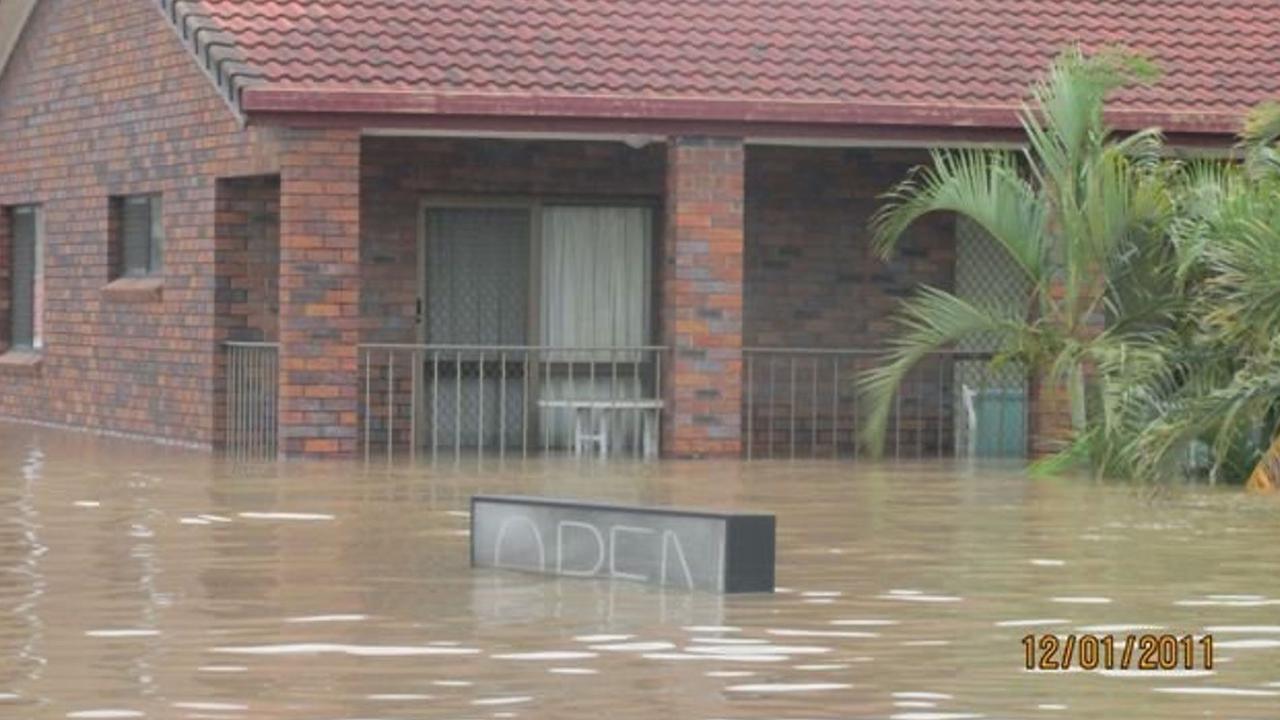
[319, 292]
[702, 297]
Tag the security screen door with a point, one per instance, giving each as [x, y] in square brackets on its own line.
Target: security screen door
[990, 403]
[477, 276]
[557, 276]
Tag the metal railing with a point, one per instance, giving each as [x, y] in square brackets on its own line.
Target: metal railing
[504, 399]
[805, 403]
[450, 400]
[252, 400]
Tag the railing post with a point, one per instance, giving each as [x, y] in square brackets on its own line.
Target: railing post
[813, 422]
[942, 364]
[457, 407]
[255, 390]
[791, 402]
[773, 402]
[547, 413]
[232, 395]
[749, 359]
[919, 413]
[435, 403]
[835, 407]
[368, 406]
[525, 419]
[480, 407]
[391, 404]
[897, 424]
[502, 406]
[416, 370]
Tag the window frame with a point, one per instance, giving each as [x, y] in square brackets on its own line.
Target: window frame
[155, 236]
[36, 309]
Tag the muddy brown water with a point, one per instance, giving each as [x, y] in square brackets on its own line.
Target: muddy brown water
[141, 581]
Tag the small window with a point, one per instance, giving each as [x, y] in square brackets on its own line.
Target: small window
[138, 229]
[26, 279]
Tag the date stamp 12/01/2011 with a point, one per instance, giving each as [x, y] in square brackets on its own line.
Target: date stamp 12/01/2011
[1109, 652]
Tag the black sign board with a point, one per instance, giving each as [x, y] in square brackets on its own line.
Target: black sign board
[723, 552]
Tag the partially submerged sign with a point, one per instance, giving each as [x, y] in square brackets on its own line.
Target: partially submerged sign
[693, 549]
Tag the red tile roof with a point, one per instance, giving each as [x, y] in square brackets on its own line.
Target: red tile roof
[913, 62]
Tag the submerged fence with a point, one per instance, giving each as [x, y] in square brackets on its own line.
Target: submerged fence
[509, 399]
[252, 400]
[451, 400]
[805, 403]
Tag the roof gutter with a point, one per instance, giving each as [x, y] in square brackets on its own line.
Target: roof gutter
[269, 100]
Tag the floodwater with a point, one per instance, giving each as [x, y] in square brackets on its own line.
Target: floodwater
[141, 581]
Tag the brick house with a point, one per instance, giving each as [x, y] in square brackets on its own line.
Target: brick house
[341, 225]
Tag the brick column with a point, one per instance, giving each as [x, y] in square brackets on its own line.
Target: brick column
[319, 292]
[702, 297]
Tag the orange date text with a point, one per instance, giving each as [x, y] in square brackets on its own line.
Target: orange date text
[1111, 652]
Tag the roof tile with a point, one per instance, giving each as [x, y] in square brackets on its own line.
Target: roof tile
[1219, 56]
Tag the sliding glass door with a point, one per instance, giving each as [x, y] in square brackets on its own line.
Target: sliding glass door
[575, 280]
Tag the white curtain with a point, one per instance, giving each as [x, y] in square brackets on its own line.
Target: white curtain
[596, 290]
[595, 277]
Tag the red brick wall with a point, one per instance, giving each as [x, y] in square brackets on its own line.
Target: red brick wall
[248, 259]
[812, 278]
[812, 281]
[702, 297]
[101, 99]
[319, 291]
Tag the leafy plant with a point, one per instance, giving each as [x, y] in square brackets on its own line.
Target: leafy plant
[1222, 386]
[1082, 214]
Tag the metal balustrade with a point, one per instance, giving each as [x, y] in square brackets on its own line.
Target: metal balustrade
[501, 400]
[515, 400]
[252, 400]
[805, 403]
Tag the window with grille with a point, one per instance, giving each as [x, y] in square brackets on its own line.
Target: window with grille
[25, 278]
[138, 229]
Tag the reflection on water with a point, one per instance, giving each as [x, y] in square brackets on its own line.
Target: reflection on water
[148, 582]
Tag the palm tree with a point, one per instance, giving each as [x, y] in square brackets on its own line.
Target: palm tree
[1081, 213]
[1221, 384]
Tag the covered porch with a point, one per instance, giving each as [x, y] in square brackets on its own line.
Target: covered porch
[392, 295]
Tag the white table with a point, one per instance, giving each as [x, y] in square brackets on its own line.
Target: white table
[584, 410]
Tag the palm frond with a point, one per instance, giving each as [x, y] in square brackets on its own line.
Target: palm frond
[1064, 120]
[1261, 140]
[984, 186]
[932, 320]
